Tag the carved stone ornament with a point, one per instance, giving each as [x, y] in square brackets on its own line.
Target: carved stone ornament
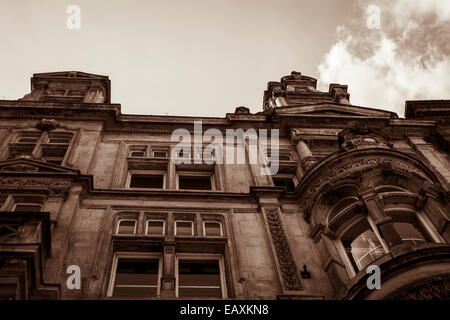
[288, 267]
[352, 168]
[358, 135]
[35, 183]
[47, 124]
[433, 290]
[20, 168]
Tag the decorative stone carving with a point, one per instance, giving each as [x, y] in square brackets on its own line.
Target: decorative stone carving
[54, 185]
[242, 110]
[358, 135]
[47, 124]
[352, 170]
[20, 168]
[288, 267]
[438, 289]
[308, 162]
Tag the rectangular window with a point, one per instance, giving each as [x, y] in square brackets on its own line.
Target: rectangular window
[212, 228]
[199, 278]
[286, 182]
[8, 291]
[126, 226]
[27, 207]
[199, 182]
[137, 151]
[136, 277]
[160, 152]
[155, 227]
[148, 181]
[138, 154]
[184, 228]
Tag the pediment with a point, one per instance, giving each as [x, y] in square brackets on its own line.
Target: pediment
[328, 109]
[33, 166]
[69, 74]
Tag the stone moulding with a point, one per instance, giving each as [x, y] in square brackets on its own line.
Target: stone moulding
[353, 165]
[288, 267]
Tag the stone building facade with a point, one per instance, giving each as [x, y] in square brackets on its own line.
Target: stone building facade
[87, 190]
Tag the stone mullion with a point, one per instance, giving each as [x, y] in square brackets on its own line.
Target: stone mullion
[384, 223]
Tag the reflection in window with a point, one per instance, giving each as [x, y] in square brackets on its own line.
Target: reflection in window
[199, 279]
[362, 245]
[27, 207]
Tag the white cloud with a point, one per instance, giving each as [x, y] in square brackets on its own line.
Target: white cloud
[407, 59]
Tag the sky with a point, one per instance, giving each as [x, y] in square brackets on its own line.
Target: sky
[205, 58]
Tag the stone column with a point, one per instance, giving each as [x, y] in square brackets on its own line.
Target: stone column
[383, 222]
[304, 154]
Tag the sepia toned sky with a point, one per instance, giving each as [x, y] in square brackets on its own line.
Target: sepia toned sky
[206, 57]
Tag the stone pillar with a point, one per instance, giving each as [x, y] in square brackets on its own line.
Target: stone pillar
[384, 223]
[305, 155]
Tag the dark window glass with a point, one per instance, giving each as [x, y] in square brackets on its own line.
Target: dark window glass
[195, 182]
[147, 181]
[184, 228]
[137, 154]
[64, 140]
[27, 207]
[212, 229]
[288, 183]
[155, 227]
[136, 278]
[408, 232]
[199, 279]
[126, 227]
[160, 154]
[28, 139]
[8, 291]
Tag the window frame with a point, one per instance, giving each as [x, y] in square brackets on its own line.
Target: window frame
[292, 176]
[13, 209]
[126, 219]
[183, 235]
[133, 255]
[200, 257]
[212, 221]
[146, 172]
[158, 220]
[196, 174]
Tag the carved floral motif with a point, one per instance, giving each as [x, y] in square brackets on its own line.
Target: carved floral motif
[288, 267]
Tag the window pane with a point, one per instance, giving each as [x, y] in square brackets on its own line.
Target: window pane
[28, 139]
[7, 291]
[288, 183]
[362, 245]
[160, 154]
[199, 278]
[212, 229]
[155, 227]
[126, 227]
[136, 278]
[59, 140]
[195, 182]
[137, 153]
[147, 181]
[408, 232]
[27, 208]
[184, 228]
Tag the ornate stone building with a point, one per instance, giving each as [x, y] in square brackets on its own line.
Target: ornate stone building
[84, 186]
